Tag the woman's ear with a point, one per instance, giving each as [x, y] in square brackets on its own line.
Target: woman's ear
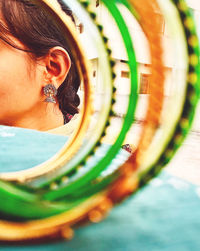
[57, 63]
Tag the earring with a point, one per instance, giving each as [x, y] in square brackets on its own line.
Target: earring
[50, 92]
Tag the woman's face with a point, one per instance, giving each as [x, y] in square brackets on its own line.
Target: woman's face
[20, 84]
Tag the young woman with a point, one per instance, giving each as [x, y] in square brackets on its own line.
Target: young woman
[38, 77]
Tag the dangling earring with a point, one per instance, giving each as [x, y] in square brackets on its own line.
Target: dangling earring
[50, 92]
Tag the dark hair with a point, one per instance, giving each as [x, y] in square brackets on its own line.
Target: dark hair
[31, 25]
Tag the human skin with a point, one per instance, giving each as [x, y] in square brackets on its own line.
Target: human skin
[22, 79]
